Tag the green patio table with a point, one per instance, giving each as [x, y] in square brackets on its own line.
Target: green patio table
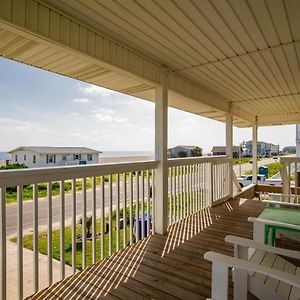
[282, 215]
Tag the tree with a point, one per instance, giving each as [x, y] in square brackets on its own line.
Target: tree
[197, 151]
[89, 222]
[182, 154]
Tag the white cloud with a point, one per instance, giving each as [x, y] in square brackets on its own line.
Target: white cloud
[104, 111]
[94, 90]
[110, 119]
[13, 124]
[81, 100]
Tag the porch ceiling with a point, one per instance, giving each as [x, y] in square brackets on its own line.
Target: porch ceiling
[229, 53]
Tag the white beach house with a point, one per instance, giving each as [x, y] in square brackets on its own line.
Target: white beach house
[36, 157]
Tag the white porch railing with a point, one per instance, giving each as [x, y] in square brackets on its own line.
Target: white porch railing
[195, 183]
[288, 172]
[127, 190]
[120, 199]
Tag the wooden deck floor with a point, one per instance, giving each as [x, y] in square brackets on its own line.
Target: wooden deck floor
[163, 267]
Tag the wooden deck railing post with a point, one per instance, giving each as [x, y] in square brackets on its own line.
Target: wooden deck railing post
[285, 180]
[161, 148]
[229, 134]
[212, 192]
[254, 153]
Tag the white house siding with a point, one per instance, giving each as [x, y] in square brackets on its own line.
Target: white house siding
[41, 159]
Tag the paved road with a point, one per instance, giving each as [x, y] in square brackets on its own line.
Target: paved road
[11, 210]
[43, 205]
[246, 167]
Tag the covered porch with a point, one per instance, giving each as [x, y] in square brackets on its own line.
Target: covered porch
[169, 266]
[232, 61]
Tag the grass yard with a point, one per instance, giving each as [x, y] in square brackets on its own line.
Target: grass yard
[274, 168]
[244, 160]
[28, 239]
[11, 193]
[28, 243]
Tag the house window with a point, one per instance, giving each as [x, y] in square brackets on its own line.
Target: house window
[16, 158]
[90, 157]
[64, 157]
[34, 159]
[51, 159]
[24, 157]
[76, 156]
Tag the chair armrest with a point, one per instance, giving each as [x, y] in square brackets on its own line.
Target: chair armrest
[236, 240]
[275, 223]
[241, 264]
[273, 202]
[283, 195]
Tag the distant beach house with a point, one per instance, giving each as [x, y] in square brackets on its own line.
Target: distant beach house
[176, 151]
[36, 157]
[221, 150]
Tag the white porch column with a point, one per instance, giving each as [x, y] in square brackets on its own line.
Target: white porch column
[161, 149]
[229, 152]
[254, 153]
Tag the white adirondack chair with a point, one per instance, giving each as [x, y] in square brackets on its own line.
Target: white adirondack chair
[279, 198]
[259, 224]
[260, 269]
[259, 229]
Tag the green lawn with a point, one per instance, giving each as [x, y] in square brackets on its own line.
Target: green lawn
[28, 242]
[274, 168]
[28, 239]
[244, 160]
[11, 193]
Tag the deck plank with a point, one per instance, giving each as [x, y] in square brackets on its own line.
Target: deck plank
[163, 267]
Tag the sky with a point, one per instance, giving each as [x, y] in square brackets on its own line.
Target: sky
[39, 108]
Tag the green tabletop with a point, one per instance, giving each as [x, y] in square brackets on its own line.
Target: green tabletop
[279, 214]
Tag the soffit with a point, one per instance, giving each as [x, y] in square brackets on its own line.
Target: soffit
[245, 51]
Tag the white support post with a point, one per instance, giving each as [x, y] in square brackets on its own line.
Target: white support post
[254, 153]
[161, 148]
[229, 134]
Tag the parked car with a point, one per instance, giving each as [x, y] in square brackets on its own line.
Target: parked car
[245, 180]
[271, 181]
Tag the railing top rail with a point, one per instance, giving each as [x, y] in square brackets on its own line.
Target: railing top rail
[11, 178]
[174, 162]
[290, 159]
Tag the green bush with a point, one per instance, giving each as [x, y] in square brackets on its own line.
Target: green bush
[13, 166]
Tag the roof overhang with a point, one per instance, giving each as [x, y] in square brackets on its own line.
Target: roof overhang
[241, 57]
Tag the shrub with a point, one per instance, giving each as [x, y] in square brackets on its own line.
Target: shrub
[13, 166]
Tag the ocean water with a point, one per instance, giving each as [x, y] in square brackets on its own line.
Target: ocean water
[106, 154]
[4, 156]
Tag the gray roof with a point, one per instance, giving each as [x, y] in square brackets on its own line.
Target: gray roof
[56, 150]
[183, 146]
[223, 149]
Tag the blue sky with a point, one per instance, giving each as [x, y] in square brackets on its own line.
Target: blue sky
[42, 108]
